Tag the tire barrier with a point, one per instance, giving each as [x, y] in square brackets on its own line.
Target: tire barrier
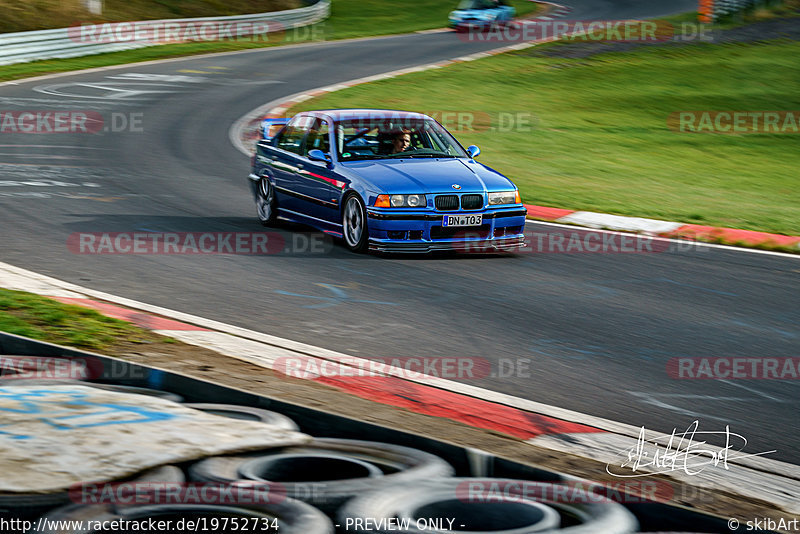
[287, 517]
[248, 413]
[446, 504]
[327, 472]
[357, 481]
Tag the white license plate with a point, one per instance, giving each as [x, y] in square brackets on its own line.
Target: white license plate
[462, 220]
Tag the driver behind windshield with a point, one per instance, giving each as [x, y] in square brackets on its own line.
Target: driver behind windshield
[401, 141]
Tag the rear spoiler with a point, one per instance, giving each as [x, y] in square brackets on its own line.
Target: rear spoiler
[271, 126]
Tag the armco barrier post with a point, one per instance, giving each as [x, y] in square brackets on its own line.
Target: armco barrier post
[706, 11]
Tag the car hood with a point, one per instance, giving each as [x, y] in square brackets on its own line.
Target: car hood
[409, 176]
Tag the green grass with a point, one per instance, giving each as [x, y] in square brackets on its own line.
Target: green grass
[48, 320]
[349, 19]
[601, 140]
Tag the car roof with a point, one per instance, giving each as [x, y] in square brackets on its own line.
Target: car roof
[347, 114]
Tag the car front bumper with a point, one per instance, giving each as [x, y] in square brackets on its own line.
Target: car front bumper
[422, 231]
[466, 24]
[504, 244]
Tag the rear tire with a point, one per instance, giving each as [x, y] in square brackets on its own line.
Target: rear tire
[354, 224]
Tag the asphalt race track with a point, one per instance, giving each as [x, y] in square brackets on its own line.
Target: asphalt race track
[591, 332]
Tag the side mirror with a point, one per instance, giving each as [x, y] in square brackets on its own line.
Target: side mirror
[473, 151]
[319, 155]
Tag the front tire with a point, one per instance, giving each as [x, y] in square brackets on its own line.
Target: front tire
[265, 202]
[354, 224]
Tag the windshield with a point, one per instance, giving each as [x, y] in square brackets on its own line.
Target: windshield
[386, 137]
[476, 4]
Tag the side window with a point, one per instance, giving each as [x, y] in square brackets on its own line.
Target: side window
[291, 139]
[318, 138]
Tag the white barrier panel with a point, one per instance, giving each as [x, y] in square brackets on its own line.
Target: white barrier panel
[22, 47]
[55, 436]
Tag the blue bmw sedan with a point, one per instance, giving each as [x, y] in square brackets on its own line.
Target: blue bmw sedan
[390, 181]
[481, 13]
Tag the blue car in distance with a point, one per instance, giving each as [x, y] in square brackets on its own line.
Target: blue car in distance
[481, 14]
[391, 181]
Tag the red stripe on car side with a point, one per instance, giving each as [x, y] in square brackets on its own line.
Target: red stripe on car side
[335, 183]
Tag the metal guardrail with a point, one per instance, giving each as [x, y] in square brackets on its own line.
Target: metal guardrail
[21, 47]
[711, 10]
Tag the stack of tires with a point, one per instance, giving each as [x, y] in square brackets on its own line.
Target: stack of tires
[326, 486]
[333, 486]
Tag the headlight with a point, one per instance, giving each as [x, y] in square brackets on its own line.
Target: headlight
[504, 197]
[401, 201]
